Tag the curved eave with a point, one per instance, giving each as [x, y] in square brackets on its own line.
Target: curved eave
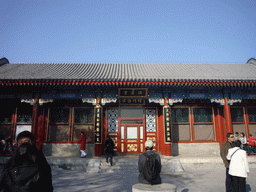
[173, 83]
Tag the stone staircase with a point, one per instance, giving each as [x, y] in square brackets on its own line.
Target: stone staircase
[121, 164]
[130, 164]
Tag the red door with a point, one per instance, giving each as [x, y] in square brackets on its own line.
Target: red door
[132, 138]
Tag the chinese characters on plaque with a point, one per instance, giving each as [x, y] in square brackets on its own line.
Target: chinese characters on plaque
[98, 125]
[167, 117]
[134, 96]
[132, 92]
[132, 101]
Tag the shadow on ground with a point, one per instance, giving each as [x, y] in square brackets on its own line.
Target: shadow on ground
[66, 180]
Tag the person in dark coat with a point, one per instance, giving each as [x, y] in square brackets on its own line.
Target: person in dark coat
[2, 143]
[8, 149]
[149, 145]
[109, 150]
[223, 153]
[82, 140]
[28, 170]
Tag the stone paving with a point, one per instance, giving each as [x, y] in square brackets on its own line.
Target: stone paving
[199, 175]
[198, 179]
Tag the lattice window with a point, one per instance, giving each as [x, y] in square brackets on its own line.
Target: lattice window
[179, 115]
[84, 115]
[203, 114]
[59, 124]
[24, 114]
[237, 114]
[59, 115]
[252, 114]
[112, 120]
[6, 115]
[150, 120]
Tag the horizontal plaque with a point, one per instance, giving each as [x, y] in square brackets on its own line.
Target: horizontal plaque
[127, 101]
[132, 92]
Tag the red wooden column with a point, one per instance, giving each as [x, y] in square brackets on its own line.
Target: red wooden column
[227, 114]
[220, 126]
[104, 128]
[35, 118]
[41, 128]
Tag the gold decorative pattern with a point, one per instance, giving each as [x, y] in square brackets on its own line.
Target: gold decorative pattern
[112, 134]
[132, 147]
[152, 138]
[131, 141]
[122, 147]
[141, 147]
[151, 134]
[98, 124]
[167, 124]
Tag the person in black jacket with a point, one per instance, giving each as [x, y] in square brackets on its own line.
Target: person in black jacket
[149, 145]
[28, 170]
[109, 150]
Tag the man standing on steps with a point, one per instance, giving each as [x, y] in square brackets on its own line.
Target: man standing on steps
[149, 165]
[223, 153]
[109, 149]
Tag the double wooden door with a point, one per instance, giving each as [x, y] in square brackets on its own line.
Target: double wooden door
[132, 138]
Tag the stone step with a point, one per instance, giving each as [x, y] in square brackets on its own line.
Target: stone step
[131, 165]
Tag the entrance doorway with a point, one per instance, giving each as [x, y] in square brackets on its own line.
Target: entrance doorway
[130, 127]
[132, 138]
[132, 124]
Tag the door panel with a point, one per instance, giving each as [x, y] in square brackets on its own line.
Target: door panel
[132, 132]
[130, 139]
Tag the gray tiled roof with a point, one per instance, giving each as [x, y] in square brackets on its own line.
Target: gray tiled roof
[129, 72]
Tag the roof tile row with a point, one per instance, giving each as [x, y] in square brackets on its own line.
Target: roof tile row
[129, 72]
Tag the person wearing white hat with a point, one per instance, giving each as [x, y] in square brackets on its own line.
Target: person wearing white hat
[149, 164]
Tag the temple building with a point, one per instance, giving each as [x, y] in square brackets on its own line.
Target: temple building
[181, 107]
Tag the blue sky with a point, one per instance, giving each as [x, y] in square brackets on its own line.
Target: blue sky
[132, 31]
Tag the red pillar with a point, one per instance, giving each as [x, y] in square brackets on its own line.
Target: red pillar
[41, 129]
[228, 117]
[35, 118]
[220, 126]
[104, 128]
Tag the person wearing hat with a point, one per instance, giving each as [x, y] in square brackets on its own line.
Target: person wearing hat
[28, 170]
[149, 145]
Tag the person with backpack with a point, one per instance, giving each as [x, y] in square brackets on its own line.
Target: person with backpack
[149, 165]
